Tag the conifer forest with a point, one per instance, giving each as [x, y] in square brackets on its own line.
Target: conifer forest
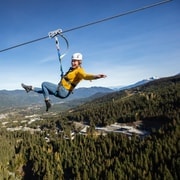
[52, 153]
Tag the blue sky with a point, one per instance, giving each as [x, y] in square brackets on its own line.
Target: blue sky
[127, 49]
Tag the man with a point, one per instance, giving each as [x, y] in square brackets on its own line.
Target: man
[66, 85]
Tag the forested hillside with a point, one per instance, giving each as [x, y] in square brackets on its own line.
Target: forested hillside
[157, 101]
[113, 156]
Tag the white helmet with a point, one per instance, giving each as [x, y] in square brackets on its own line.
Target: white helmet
[77, 56]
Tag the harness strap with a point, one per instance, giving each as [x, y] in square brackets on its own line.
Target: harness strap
[70, 91]
[59, 55]
[54, 34]
[63, 97]
[67, 80]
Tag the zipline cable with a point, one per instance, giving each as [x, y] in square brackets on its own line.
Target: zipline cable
[92, 23]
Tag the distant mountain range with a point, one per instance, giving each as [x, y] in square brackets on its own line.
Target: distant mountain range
[19, 98]
[144, 81]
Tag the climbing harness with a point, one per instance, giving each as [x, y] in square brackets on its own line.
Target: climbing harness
[54, 34]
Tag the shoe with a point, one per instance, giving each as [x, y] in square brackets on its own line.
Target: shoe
[27, 88]
[48, 104]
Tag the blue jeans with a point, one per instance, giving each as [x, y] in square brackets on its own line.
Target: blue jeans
[52, 89]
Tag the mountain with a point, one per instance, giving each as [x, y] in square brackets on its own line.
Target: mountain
[154, 103]
[87, 92]
[19, 98]
[144, 81]
[126, 134]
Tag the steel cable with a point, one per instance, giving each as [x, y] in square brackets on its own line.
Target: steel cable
[91, 23]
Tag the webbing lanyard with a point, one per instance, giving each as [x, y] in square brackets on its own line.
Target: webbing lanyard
[54, 34]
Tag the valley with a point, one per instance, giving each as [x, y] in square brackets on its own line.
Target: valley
[21, 120]
[128, 134]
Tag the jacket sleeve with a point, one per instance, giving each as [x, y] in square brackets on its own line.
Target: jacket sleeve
[84, 75]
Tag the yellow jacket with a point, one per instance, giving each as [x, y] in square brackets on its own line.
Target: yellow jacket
[74, 76]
